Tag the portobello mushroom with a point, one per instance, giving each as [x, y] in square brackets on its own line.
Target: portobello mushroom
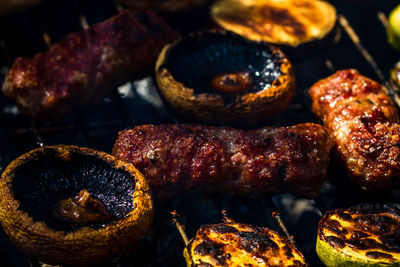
[221, 78]
[68, 205]
[363, 235]
[236, 244]
[289, 23]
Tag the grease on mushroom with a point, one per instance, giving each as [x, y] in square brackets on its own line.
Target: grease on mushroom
[82, 209]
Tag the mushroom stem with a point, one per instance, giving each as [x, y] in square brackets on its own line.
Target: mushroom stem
[232, 82]
[82, 209]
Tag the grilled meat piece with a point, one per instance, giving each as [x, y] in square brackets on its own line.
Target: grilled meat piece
[363, 122]
[87, 65]
[266, 161]
[236, 244]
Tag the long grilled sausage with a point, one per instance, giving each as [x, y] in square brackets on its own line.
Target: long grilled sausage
[363, 122]
[84, 67]
[176, 158]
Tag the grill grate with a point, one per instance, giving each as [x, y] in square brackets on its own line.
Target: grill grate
[138, 103]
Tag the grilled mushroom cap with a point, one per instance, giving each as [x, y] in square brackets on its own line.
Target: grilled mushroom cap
[284, 22]
[235, 244]
[221, 78]
[364, 235]
[73, 206]
[164, 5]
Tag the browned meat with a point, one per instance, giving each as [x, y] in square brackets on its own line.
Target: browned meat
[87, 65]
[363, 122]
[266, 161]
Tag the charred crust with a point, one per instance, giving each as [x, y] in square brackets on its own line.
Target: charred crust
[368, 227]
[229, 243]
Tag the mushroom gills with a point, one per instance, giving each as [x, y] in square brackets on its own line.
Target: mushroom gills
[204, 64]
[59, 179]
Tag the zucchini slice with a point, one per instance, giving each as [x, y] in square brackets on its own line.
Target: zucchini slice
[282, 22]
[394, 28]
[363, 235]
[235, 244]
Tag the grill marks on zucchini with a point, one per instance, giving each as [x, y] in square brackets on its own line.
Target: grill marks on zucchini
[365, 233]
[235, 244]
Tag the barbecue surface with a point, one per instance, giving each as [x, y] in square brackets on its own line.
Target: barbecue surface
[138, 103]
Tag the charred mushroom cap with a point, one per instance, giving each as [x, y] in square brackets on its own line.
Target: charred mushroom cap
[237, 244]
[164, 5]
[289, 23]
[35, 185]
[221, 78]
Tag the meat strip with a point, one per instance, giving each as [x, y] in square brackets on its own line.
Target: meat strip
[83, 68]
[176, 158]
[363, 122]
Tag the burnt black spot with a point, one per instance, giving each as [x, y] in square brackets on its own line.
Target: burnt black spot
[335, 241]
[392, 243]
[358, 235]
[364, 244]
[335, 227]
[253, 242]
[344, 216]
[378, 255]
[223, 229]
[284, 18]
[212, 249]
[203, 264]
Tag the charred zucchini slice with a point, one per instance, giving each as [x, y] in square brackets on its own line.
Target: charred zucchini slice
[394, 28]
[364, 235]
[221, 78]
[69, 205]
[235, 244]
[283, 22]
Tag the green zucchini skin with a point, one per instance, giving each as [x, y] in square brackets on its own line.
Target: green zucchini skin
[333, 258]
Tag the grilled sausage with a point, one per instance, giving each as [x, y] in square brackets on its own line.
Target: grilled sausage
[85, 66]
[266, 161]
[363, 122]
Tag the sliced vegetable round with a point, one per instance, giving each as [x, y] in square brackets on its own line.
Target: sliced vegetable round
[235, 244]
[74, 206]
[394, 28]
[364, 235]
[221, 78]
[283, 22]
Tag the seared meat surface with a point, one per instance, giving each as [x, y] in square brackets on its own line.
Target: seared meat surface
[363, 122]
[176, 158]
[87, 65]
